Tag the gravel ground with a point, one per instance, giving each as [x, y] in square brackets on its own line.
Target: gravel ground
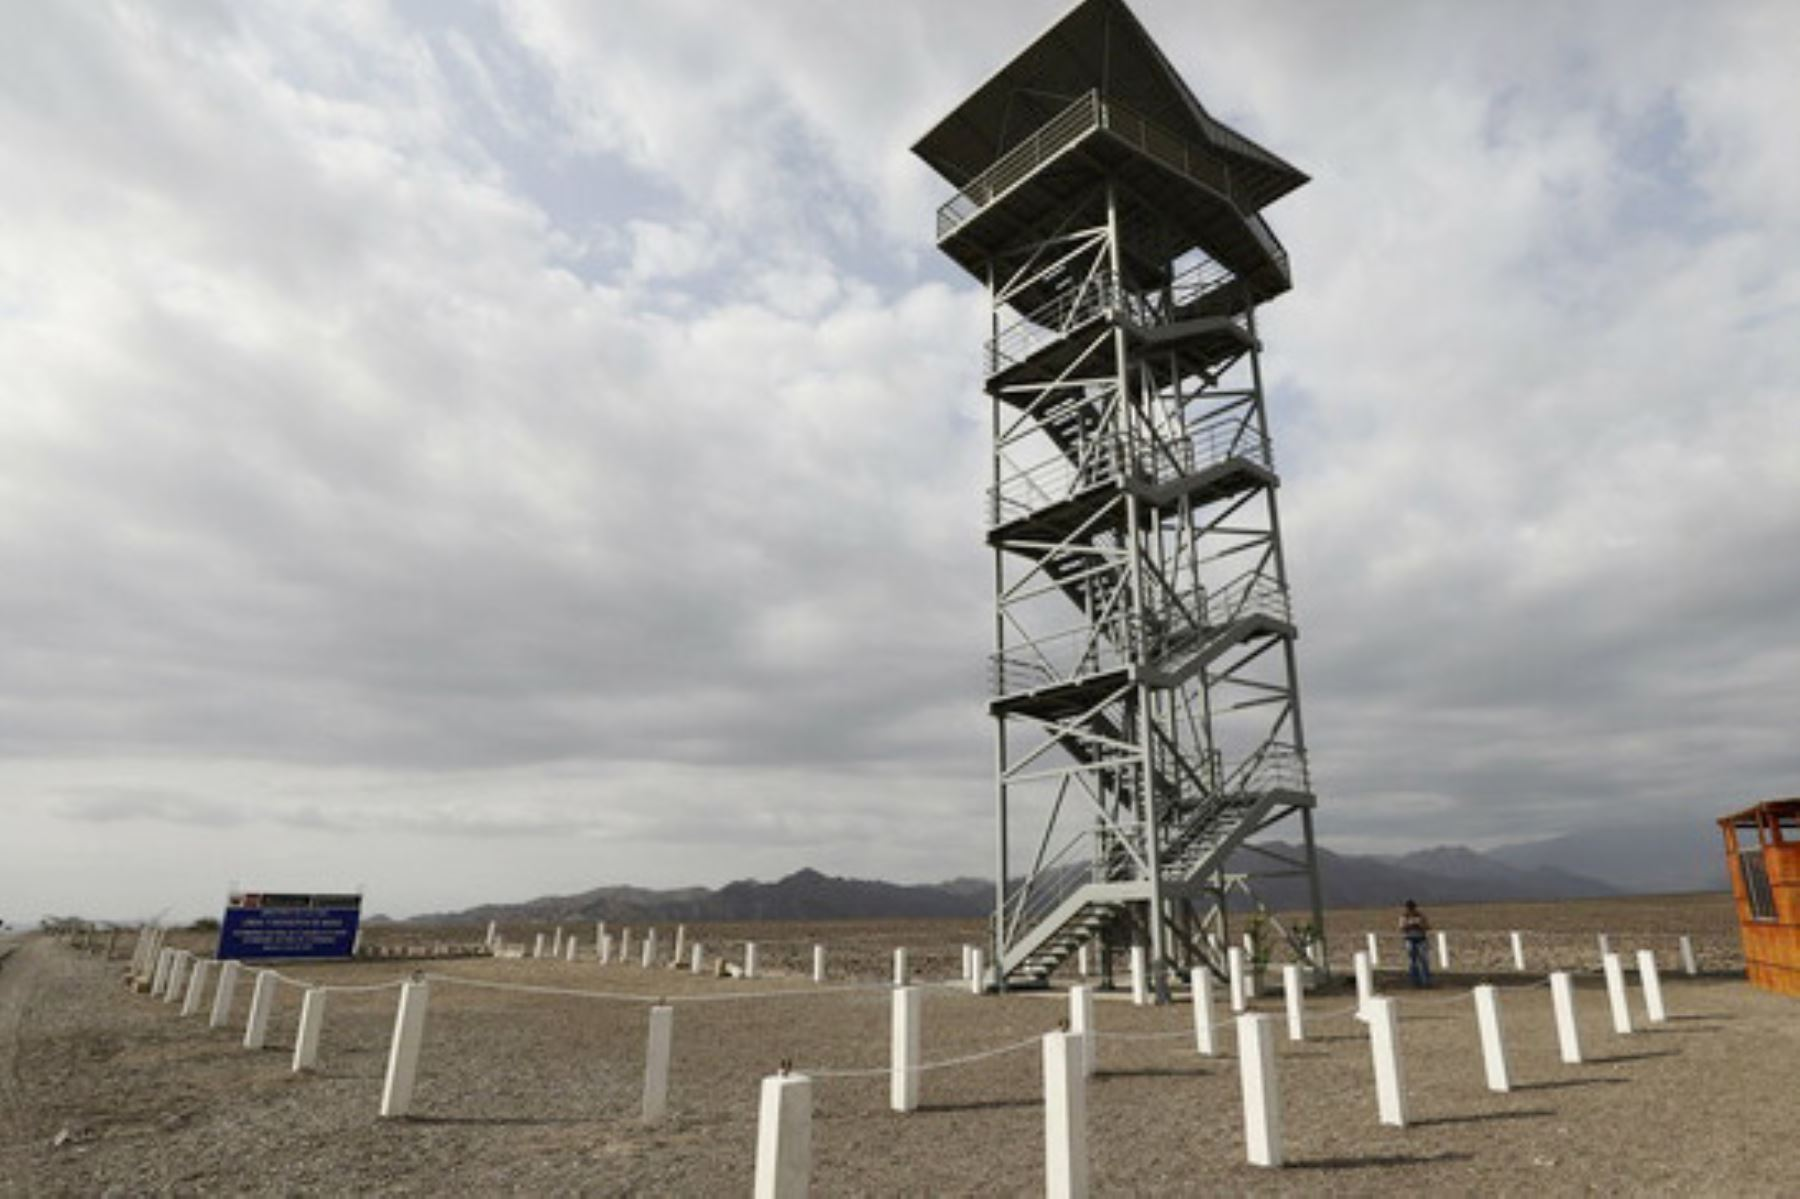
[539, 1094]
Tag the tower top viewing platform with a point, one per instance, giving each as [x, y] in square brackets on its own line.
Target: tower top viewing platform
[1094, 95]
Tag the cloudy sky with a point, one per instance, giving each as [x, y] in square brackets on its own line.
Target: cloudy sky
[476, 450]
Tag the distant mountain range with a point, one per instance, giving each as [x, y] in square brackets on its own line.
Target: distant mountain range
[1634, 860]
[803, 895]
[1637, 856]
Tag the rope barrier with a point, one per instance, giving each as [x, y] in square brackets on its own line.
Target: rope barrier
[669, 1000]
[335, 988]
[799, 994]
[945, 1064]
[1180, 1034]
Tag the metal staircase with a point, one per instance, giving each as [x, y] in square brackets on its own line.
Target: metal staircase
[1143, 678]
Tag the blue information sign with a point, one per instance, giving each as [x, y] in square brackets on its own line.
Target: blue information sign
[289, 926]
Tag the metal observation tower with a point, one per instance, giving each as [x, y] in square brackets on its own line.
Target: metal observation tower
[1144, 691]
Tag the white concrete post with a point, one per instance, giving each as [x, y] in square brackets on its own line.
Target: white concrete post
[977, 972]
[1518, 948]
[656, 1063]
[680, 950]
[403, 1050]
[903, 1089]
[1140, 977]
[1200, 979]
[196, 989]
[556, 944]
[1083, 965]
[965, 962]
[1493, 1038]
[697, 957]
[902, 968]
[1688, 965]
[1295, 995]
[749, 959]
[227, 991]
[144, 960]
[1605, 946]
[262, 1006]
[1234, 962]
[649, 949]
[784, 1138]
[493, 933]
[178, 969]
[1390, 1077]
[1081, 1023]
[1615, 993]
[569, 948]
[624, 947]
[537, 947]
[599, 933]
[1365, 985]
[1562, 996]
[1261, 1090]
[1651, 983]
[1443, 940]
[159, 978]
[1065, 1117]
[818, 963]
[1374, 951]
[312, 1021]
[606, 949]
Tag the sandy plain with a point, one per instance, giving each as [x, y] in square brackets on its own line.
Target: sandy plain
[103, 1091]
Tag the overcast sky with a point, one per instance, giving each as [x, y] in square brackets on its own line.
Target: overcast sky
[480, 450]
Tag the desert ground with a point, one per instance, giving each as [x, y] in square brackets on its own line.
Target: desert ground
[105, 1091]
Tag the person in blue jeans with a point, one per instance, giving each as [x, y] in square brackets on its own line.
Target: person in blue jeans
[1414, 926]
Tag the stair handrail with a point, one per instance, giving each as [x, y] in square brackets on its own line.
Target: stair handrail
[1053, 479]
[1029, 332]
[1030, 901]
[1042, 660]
[1274, 766]
[1110, 861]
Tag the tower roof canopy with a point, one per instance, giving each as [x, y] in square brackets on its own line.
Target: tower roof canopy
[1098, 45]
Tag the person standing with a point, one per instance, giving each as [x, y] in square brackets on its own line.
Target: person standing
[1414, 926]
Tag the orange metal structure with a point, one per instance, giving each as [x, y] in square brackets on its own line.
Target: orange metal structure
[1762, 849]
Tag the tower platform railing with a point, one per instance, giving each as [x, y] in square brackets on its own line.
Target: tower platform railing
[1084, 115]
[1018, 164]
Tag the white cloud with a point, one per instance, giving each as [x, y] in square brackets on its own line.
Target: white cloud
[552, 421]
